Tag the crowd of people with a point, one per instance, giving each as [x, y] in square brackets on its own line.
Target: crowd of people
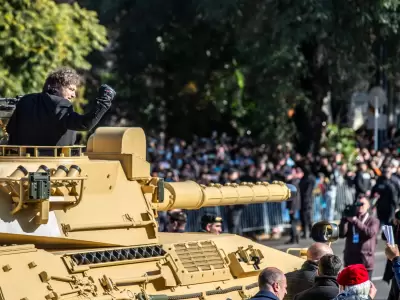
[327, 183]
[363, 195]
[322, 277]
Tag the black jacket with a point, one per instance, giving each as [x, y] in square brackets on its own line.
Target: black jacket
[362, 182]
[324, 288]
[306, 186]
[387, 201]
[300, 280]
[388, 274]
[294, 204]
[42, 119]
[264, 295]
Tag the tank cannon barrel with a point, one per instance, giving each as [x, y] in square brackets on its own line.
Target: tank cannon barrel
[190, 195]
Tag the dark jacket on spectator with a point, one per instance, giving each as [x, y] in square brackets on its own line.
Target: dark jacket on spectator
[306, 186]
[264, 295]
[388, 274]
[387, 201]
[324, 288]
[300, 280]
[396, 269]
[294, 204]
[362, 182]
[363, 251]
[395, 179]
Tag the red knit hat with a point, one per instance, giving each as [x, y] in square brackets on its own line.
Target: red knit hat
[352, 275]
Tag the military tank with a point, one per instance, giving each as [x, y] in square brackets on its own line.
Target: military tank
[82, 224]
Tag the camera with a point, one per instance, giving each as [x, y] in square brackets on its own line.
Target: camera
[325, 232]
[351, 209]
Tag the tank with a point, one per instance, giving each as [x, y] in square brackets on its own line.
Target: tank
[81, 223]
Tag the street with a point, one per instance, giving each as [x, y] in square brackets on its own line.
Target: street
[338, 246]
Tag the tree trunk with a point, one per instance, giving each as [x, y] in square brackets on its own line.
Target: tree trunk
[316, 86]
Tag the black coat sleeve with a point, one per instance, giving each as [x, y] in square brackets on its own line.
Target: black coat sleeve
[74, 121]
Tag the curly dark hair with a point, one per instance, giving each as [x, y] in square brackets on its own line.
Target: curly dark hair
[62, 77]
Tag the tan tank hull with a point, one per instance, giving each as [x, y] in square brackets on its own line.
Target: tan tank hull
[85, 227]
[177, 273]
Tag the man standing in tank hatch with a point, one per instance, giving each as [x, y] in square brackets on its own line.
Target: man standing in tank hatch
[48, 118]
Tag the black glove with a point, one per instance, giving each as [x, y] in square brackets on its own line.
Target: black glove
[106, 93]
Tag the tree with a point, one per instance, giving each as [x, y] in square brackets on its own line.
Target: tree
[193, 66]
[39, 36]
[338, 42]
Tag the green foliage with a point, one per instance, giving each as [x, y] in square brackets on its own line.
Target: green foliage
[39, 36]
[342, 140]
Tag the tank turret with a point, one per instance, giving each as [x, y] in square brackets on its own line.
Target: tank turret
[83, 225]
[103, 197]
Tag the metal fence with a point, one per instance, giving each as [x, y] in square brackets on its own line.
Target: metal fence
[266, 216]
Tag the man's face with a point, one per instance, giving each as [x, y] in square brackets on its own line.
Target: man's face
[68, 92]
[365, 206]
[215, 228]
[281, 288]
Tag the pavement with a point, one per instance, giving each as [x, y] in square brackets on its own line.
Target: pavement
[338, 246]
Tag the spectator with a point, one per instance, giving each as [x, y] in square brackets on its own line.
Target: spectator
[306, 186]
[355, 284]
[388, 274]
[362, 180]
[325, 286]
[303, 279]
[361, 233]
[293, 206]
[272, 285]
[221, 159]
[235, 211]
[394, 178]
[392, 254]
[387, 193]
